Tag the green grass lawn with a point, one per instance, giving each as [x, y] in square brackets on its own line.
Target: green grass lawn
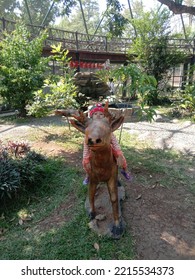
[50, 221]
[71, 238]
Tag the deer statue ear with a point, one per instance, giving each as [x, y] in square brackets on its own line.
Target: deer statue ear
[117, 123]
[78, 125]
[107, 114]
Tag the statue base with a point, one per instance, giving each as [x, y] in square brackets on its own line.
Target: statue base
[103, 222]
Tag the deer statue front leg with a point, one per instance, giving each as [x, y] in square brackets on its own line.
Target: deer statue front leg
[91, 193]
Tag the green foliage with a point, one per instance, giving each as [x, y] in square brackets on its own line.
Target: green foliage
[111, 23]
[22, 67]
[8, 7]
[151, 47]
[65, 6]
[137, 83]
[20, 168]
[40, 11]
[58, 91]
[188, 99]
[115, 22]
[9, 177]
[75, 22]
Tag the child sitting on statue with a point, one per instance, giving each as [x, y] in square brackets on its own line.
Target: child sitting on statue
[97, 112]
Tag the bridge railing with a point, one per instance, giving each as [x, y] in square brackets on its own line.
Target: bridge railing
[80, 41]
[73, 40]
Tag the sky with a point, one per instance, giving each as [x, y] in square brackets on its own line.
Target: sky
[147, 3]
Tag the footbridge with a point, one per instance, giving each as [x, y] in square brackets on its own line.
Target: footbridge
[82, 47]
[92, 51]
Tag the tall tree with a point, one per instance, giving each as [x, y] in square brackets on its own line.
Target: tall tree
[75, 21]
[112, 22]
[137, 9]
[151, 46]
[44, 12]
[115, 21]
[190, 16]
[38, 10]
[8, 8]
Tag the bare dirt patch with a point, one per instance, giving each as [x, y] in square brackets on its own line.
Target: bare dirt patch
[162, 222]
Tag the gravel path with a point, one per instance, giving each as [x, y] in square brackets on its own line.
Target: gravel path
[164, 135]
[170, 135]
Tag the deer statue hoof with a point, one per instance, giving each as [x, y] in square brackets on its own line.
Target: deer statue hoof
[117, 231]
[92, 216]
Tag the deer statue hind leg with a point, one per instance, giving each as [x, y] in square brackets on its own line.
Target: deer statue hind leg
[117, 228]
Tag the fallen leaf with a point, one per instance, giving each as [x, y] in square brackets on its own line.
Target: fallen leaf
[96, 246]
[138, 197]
[20, 222]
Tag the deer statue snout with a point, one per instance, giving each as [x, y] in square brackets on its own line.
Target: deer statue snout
[95, 141]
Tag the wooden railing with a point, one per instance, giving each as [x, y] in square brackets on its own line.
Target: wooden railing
[74, 40]
[90, 43]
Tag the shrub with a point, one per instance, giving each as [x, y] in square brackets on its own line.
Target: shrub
[188, 99]
[58, 91]
[22, 67]
[9, 177]
[20, 168]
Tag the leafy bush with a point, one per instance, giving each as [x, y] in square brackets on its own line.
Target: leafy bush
[58, 91]
[22, 67]
[20, 168]
[9, 177]
[188, 99]
[139, 84]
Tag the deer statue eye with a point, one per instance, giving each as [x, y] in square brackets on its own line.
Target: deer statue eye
[98, 141]
[90, 141]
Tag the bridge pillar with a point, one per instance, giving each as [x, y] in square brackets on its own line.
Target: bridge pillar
[78, 60]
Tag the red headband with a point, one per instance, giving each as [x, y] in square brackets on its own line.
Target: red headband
[97, 108]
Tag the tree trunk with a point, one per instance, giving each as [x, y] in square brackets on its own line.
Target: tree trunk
[178, 8]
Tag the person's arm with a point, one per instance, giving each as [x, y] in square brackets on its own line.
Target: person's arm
[115, 145]
[86, 158]
[121, 161]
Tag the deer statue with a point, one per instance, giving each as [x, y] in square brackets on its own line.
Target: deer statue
[103, 163]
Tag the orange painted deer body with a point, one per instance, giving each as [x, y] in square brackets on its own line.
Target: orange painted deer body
[102, 161]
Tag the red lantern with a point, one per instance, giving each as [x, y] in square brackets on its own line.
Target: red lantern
[71, 64]
[81, 64]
